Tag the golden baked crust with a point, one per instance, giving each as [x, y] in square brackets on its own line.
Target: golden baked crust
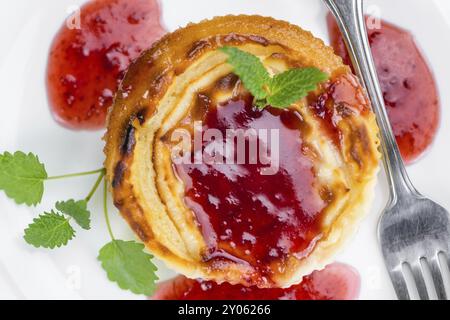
[156, 95]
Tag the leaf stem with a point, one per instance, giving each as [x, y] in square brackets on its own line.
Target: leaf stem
[73, 175]
[95, 187]
[105, 208]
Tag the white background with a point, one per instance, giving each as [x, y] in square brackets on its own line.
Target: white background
[26, 30]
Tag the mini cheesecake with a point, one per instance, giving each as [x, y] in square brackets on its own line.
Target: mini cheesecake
[233, 222]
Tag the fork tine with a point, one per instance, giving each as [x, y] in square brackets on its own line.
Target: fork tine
[419, 280]
[399, 283]
[437, 278]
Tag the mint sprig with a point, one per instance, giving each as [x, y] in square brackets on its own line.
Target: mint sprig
[65, 210]
[280, 91]
[22, 178]
[50, 230]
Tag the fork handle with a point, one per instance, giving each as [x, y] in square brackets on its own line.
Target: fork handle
[350, 18]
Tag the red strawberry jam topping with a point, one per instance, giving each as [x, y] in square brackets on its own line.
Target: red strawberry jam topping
[86, 64]
[244, 214]
[258, 219]
[407, 83]
[335, 282]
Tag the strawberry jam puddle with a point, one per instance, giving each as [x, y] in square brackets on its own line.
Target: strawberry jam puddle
[335, 282]
[87, 62]
[408, 86]
[256, 219]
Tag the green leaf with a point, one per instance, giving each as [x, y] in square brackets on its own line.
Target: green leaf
[250, 70]
[77, 210]
[50, 230]
[280, 91]
[22, 177]
[129, 266]
[290, 86]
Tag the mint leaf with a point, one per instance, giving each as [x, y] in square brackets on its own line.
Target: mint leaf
[282, 90]
[77, 210]
[22, 177]
[250, 70]
[293, 85]
[129, 266]
[50, 230]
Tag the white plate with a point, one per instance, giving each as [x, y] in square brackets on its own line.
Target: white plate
[27, 28]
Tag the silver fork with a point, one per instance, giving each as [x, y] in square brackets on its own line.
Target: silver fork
[413, 230]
